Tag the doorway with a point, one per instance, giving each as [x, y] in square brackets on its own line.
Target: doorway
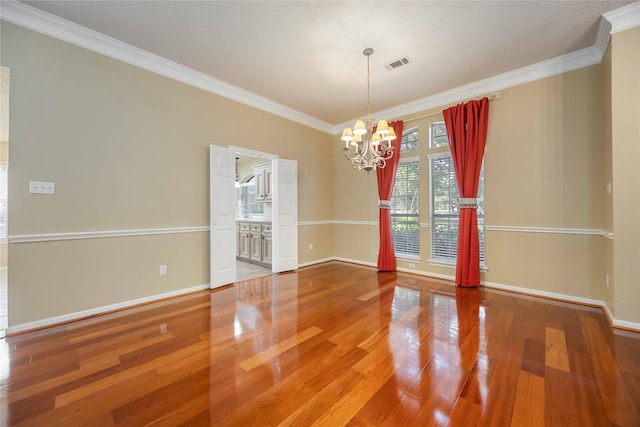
[254, 215]
[281, 177]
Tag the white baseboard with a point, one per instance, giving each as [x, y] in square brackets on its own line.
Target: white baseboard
[314, 262]
[622, 324]
[51, 321]
[355, 261]
[543, 294]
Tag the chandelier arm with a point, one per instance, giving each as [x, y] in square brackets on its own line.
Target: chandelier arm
[351, 156]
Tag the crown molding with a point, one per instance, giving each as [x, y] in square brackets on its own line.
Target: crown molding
[624, 18]
[550, 67]
[37, 20]
[34, 19]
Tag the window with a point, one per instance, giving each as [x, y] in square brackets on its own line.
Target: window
[438, 135]
[405, 221]
[409, 141]
[444, 202]
[247, 197]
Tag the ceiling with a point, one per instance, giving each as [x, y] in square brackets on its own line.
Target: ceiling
[307, 55]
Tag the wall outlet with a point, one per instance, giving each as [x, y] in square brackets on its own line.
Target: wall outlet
[310, 246]
[607, 280]
[412, 265]
[163, 270]
[41, 187]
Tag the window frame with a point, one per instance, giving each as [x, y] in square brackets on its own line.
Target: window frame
[445, 152]
[407, 132]
[431, 136]
[406, 256]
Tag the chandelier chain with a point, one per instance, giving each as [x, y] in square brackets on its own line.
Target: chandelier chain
[369, 87]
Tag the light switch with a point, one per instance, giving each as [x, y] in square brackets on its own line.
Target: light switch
[41, 187]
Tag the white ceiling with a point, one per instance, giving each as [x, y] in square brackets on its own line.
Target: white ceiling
[307, 55]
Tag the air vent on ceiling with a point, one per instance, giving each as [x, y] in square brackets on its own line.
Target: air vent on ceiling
[399, 63]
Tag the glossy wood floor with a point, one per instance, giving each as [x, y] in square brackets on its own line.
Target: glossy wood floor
[329, 345]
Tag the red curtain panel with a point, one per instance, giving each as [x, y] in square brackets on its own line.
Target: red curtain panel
[467, 129]
[386, 178]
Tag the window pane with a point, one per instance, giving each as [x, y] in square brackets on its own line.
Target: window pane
[405, 230]
[444, 189]
[249, 205]
[409, 140]
[405, 225]
[444, 237]
[444, 211]
[438, 135]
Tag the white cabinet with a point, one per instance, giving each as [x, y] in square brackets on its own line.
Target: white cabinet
[254, 242]
[263, 182]
[244, 236]
[267, 244]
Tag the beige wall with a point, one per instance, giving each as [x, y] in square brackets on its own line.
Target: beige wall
[543, 168]
[625, 108]
[127, 149]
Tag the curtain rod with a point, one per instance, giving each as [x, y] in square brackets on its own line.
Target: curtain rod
[492, 97]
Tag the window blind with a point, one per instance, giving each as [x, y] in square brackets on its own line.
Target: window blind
[445, 211]
[405, 214]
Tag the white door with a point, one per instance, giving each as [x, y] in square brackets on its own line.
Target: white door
[285, 215]
[222, 217]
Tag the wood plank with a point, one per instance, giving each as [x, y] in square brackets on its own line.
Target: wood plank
[94, 387]
[555, 350]
[528, 409]
[268, 354]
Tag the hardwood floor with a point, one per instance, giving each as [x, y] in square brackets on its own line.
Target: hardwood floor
[329, 345]
[246, 270]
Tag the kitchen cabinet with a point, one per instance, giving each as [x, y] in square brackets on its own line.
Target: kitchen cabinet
[244, 236]
[254, 242]
[263, 182]
[267, 244]
[255, 245]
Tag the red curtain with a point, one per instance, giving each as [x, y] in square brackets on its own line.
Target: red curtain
[467, 129]
[386, 178]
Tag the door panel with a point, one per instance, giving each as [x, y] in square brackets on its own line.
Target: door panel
[222, 217]
[285, 251]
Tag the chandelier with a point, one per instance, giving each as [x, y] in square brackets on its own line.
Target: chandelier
[368, 149]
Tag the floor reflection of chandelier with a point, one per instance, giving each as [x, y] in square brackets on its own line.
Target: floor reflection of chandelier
[368, 149]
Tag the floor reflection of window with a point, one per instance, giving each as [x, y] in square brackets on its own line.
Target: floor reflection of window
[404, 336]
[255, 310]
[459, 340]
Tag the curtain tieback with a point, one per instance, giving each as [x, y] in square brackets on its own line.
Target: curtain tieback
[384, 204]
[468, 203]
